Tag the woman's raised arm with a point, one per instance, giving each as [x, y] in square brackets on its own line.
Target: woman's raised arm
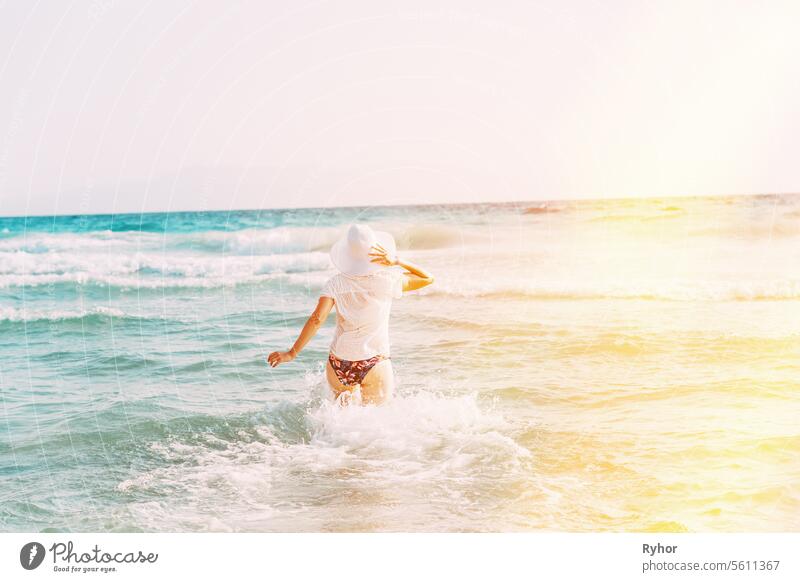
[415, 277]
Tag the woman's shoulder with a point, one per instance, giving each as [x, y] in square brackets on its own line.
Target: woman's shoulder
[382, 277]
[332, 285]
[390, 281]
[342, 283]
[389, 274]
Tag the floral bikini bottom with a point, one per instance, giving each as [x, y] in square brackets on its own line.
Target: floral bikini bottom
[353, 372]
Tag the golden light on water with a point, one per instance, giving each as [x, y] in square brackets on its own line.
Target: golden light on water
[668, 381]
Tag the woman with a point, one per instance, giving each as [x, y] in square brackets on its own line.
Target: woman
[362, 292]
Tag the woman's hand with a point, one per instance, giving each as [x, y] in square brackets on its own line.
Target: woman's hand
[276, 358]
[381, 256]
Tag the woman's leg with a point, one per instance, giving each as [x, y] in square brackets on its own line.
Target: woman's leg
[333, 381]
[378, 384]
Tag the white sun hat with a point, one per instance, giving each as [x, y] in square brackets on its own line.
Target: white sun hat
[350, 254]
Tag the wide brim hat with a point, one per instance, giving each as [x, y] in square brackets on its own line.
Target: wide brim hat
[350, 254]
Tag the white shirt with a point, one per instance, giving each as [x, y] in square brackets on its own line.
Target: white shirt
[363, 304]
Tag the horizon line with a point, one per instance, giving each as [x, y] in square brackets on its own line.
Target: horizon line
[425, 204]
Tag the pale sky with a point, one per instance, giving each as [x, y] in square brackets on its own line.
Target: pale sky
[126, 106]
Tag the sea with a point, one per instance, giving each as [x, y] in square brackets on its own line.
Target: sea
[582, 366]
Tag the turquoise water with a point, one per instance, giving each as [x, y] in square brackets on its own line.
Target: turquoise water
[600, 365]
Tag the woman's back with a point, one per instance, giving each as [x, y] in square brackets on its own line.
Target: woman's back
[363, 304]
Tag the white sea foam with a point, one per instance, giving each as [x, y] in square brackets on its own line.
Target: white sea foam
[240, 242]
[151, 270]
[422, 440]
[170, 264]
[15, 315]
[37, 242]
[134, 282]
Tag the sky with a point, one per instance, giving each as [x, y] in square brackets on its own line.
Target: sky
[122, 106]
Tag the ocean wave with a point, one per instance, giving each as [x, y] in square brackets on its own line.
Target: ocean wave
[693, 346]
[37, 242]
[434, 236]
[199, 260]
[170, 264]
[288, 240]
[240, 242]
[151, 270]
[148, 283]
[278, 240]
[657, 291]
[753, 230]
[13, 314]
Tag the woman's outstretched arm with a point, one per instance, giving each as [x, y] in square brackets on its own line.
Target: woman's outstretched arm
[310, 329]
